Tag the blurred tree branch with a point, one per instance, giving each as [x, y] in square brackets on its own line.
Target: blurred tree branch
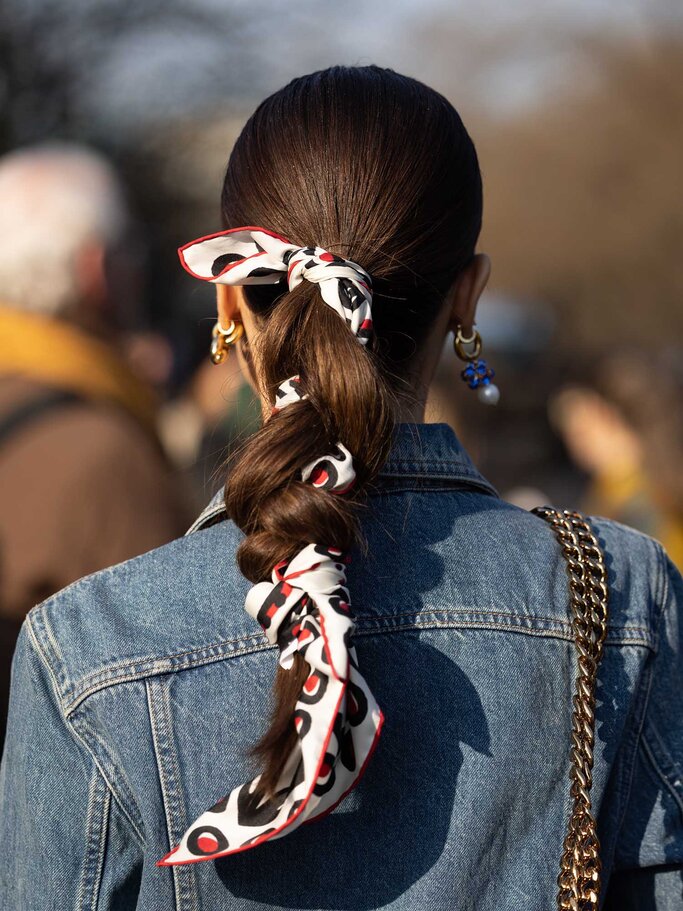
[50, 50]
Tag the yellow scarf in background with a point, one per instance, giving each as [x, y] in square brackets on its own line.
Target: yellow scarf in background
[57, 354]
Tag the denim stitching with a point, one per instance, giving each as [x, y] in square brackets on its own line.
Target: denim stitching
[71, 726]
[184, 878]
[227, 647]
[662, 591]
[662, 776]
[187, 875]
[42, 656]
[103, 842]
[96, 825]
[145, 668]
[133, 816]
[51, 636]
[159, 666]
[104, 673]
[489, 613]
[658, 754]
[641, 699]
[653, 745]
[165, 790]
[47, 648]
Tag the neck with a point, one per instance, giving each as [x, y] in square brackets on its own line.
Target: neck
[410, 412]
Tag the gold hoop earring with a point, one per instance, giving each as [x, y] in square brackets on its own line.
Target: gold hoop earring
[459, 342]
[223, 339]
[478, 375]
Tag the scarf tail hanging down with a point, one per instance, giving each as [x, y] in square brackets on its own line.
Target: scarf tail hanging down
[336, 716]
[337, 719]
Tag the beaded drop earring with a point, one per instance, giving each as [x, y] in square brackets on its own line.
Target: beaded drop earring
[477, 374]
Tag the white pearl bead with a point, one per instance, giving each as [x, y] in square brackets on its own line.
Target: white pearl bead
[489, 395]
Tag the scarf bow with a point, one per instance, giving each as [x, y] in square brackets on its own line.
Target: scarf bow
[255, 256]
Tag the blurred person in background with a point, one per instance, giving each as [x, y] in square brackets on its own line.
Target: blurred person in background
[622, 423]
[84, 481]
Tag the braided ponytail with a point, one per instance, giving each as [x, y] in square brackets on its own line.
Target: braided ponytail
[279, 513]
[379, 170]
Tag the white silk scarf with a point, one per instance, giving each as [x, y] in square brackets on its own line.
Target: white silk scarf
[306, 608]
[255, 256]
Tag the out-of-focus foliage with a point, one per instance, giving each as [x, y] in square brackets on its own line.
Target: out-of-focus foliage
[584, 205]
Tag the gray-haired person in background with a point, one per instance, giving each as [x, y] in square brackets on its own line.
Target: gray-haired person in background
[84, 481]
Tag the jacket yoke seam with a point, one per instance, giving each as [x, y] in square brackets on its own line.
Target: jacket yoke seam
[145, 668]
[227, 647]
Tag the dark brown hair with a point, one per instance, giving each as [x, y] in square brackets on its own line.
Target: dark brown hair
[377, 168]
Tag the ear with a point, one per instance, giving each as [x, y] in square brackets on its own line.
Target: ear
[229, 301]
[466, 293]
[91, 275]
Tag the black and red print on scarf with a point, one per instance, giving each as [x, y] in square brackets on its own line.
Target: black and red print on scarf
[304, 609]
[255, 256]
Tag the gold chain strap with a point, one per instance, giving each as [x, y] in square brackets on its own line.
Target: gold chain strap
[579, 878]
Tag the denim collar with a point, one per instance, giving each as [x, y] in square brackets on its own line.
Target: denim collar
[421, 455]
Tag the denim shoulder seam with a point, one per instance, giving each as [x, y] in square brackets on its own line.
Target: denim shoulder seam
[662, 590]
[168, 770]
[96, 831]
[152, 666]
[42, 655]
[44, 640]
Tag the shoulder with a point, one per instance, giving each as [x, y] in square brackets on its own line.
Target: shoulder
[182, 605]
[639, 573]
[105, 435]
[516, 556]
[638, 576]
[99, 434]
[176, 607]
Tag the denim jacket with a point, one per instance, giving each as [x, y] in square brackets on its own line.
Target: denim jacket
[138, 691]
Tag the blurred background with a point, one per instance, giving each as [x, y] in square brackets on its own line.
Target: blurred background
[576, 109]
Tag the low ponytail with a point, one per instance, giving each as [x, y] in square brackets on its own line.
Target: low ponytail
[348, 401]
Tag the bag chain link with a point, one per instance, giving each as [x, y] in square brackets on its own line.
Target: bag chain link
[579, 878]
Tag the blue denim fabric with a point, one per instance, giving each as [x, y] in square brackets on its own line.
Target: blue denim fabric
[138, 691]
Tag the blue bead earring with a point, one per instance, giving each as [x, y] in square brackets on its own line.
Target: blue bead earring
[478, 375]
